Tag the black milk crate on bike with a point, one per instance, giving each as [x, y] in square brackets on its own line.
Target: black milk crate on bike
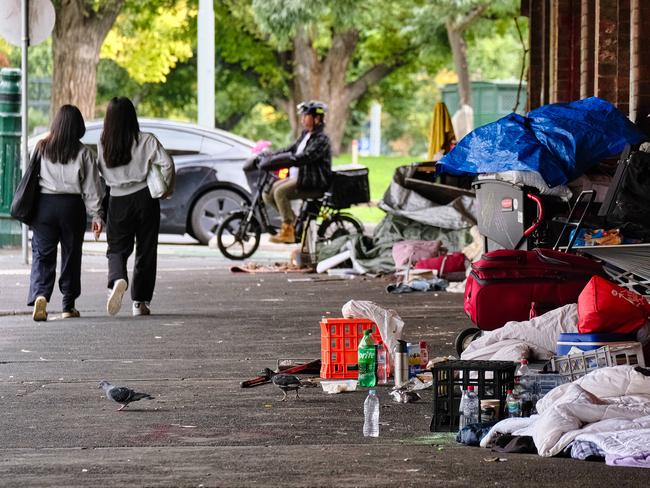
[490, 379]
[350, 186]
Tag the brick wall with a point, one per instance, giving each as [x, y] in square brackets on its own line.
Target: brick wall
[567, 33]
[623, 57]
[606, 70]
[643, 86]
[580, 48]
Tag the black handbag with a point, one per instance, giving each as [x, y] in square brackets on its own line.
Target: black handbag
[25, 201]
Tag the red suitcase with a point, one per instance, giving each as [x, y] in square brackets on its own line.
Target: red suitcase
[509, 284]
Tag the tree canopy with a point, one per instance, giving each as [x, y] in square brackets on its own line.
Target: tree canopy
[270, 54]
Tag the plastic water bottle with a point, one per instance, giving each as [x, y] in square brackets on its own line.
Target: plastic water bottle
[461, 410]
[513, 405]
[523, 368]
[371, 415]
[525, 389]
[367, 360]
[382, 366]
[471, 407]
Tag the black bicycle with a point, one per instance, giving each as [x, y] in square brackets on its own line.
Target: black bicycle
[238, 235]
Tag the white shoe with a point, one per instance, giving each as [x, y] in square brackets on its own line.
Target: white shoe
[40, 309]
[114, 303]
[141, 308]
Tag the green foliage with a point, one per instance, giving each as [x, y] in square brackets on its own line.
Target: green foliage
[265, 122]
[148, 57]
[150, 38]
[174, 99]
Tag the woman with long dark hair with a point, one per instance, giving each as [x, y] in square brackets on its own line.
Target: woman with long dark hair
[70, 186]
[126, 157]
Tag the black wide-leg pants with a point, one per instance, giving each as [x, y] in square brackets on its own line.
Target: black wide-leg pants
[133, 219]
[59, 219]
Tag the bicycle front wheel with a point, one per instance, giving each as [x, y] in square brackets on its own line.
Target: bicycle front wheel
[238, 238]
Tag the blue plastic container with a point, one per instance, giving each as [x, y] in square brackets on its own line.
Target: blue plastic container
[588, 342]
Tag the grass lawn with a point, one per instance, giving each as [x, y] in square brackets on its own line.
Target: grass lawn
[380, 174]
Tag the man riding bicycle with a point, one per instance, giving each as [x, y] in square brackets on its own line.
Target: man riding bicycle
[312, 155]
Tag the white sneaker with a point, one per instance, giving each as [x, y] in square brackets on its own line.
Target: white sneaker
[141, 308]
[40, 309]
[114, 303]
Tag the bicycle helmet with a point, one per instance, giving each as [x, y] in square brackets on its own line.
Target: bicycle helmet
[312, 107]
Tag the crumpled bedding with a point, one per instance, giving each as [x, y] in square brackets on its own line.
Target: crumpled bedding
[535, 338]
[609, 407]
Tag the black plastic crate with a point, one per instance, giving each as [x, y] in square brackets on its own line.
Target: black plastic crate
[349, 187]
[491, 380]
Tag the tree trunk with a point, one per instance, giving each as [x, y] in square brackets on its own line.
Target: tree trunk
[78, 35]
[459, 53]
[325, 79]
[455, 32]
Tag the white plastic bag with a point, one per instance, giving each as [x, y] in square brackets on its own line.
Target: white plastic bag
[390, 324]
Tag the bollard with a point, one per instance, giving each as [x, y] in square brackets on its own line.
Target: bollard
[10, 172]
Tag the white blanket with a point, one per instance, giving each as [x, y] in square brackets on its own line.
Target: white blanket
[535, 338]
[609, 407]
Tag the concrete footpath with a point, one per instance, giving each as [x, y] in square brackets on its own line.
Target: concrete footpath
[211, 329]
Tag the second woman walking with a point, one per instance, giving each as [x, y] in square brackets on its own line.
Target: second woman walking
[126, 156]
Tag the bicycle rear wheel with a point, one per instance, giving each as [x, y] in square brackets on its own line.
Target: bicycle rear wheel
[238, 238]
[339, 225]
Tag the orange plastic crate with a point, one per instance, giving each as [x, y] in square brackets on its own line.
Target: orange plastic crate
[339, 341]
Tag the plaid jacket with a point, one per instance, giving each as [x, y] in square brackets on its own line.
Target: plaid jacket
[314, 162]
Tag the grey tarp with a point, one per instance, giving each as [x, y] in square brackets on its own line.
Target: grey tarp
[404, 202]
[409, 216]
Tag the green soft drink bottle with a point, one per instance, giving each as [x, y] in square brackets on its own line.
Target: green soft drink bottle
[367, 360]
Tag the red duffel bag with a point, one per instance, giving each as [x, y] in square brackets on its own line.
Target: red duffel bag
[504, 284]
[446, 264]
[605, 307]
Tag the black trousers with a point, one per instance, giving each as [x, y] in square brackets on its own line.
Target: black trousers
[59, 219]
[133, 219]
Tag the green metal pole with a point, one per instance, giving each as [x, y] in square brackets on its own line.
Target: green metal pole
[10, 135]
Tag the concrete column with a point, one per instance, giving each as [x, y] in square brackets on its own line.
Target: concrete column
[634, 58]
[587, 47]
[375, 129]
[205, 64]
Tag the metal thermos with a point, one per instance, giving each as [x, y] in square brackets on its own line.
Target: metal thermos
[401, 362]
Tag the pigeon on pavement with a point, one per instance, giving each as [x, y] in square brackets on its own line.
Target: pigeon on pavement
[286, 382]
[122, 394]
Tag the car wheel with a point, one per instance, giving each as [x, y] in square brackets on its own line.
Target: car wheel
[210, 210]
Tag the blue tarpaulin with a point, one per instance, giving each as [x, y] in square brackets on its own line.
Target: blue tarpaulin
[560, 141]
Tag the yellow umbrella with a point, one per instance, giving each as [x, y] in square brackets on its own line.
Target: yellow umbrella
[442, 132]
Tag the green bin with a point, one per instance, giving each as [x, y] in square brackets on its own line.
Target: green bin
[10, 173]
[490, 100]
